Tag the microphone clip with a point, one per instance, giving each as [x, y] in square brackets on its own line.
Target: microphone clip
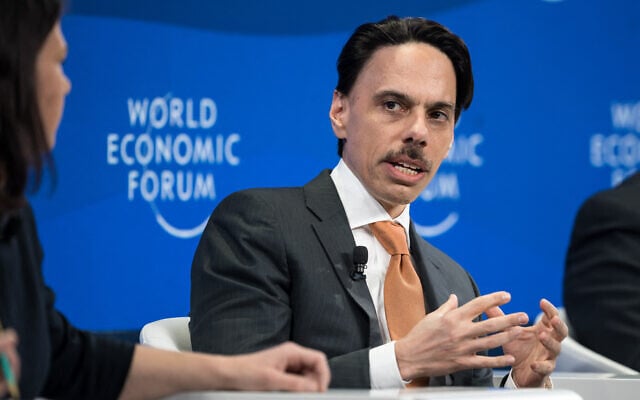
[357, 273]
[360, 256]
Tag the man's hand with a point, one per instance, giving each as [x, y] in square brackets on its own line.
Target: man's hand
[447, 339]
[536, 348]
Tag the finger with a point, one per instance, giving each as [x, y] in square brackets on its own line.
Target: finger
[320, 377]
[560, 329]
[494, 312]
[551, 344]
[481, 304]
[556, 327]
[544, 368]
[549, 309]
[450, 305]
[292, 382]
[318, 369]
[493, 341]
[498, 324]
[305, 360]
[552, 322]
[477, 362]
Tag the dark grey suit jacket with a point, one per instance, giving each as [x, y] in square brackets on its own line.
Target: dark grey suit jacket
[273, 265]
[602, 276]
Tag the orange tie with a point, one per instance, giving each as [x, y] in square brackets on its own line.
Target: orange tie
[403, 296]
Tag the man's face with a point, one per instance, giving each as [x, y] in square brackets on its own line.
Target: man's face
[397, 121]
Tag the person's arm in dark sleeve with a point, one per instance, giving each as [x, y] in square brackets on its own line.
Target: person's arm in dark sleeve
[240, 285]
[602, 279]
[84, 366]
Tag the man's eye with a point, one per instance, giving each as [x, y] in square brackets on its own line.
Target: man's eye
[439, 115]
[392, 105]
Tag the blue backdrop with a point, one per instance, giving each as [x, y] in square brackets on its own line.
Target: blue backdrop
[176, 104]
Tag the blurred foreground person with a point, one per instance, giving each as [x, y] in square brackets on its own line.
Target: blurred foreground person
[602, 273]
[52, 358]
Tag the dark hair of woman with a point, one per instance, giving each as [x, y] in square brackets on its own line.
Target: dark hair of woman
[24, 152]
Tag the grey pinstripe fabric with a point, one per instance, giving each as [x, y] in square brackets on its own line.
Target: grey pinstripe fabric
[273, 265]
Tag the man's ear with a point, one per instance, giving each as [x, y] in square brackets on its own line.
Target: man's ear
[337, 114]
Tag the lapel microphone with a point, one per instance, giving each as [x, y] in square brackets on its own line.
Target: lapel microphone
[360, 257]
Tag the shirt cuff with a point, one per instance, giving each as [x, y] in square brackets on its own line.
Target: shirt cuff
[383, 367]
[509, 383]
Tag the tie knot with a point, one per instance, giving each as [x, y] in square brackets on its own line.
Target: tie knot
[391, 236]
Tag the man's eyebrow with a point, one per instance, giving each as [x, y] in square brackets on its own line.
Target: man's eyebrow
[409, 101]
[442, 105]
[401, 97]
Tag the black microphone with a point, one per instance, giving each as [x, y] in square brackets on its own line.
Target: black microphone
[360, 257]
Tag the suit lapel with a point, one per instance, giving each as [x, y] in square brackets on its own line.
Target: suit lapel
[332, 229]
[434, 283]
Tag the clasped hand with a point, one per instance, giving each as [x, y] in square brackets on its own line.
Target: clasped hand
[448, 340]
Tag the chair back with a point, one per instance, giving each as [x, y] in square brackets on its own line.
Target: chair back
[167, 334]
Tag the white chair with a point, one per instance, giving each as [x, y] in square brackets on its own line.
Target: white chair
[575, 357]
[167, 334]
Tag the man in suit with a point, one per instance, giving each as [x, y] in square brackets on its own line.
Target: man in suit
[602, 275]
[277, 264]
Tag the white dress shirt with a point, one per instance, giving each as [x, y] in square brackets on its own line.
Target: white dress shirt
[362, 209]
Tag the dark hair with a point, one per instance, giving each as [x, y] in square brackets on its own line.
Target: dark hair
[393, 31]
[24, 27]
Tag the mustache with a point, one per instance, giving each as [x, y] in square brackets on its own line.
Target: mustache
[412, 151]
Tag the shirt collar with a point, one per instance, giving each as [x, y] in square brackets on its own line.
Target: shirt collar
[361, 208]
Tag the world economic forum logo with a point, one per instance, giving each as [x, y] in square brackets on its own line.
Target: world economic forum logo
[170, 153]
[618, 149]
[445, 185]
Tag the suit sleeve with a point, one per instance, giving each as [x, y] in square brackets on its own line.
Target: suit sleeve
[602, 278]
[240, 280]
[480, 376]
[241, 287]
